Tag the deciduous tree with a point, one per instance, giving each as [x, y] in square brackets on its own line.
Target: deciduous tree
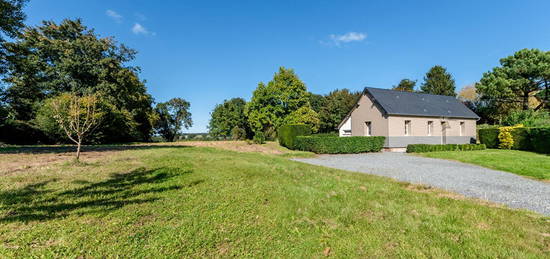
[76, 115]
[227, 116]
[336, 105]
[53, 58]
[172, 117]
[272, 103]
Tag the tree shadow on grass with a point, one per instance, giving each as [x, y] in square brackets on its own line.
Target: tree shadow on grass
[85, 148]
[37, 203]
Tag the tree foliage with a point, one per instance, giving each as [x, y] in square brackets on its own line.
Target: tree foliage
[438, 81]
[304, 115]
[53, 59]
[272, 103]
[76, 115]
[172, 117]
[519, 78]
[336, 105]
[11, 22]
[227, 116]
[405, 85]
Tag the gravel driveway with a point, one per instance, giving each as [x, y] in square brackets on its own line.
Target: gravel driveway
[469, 180]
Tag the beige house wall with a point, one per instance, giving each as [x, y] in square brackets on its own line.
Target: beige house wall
[368, 111]
[419, 126]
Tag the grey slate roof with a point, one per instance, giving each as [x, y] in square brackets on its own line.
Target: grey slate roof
[418, 104]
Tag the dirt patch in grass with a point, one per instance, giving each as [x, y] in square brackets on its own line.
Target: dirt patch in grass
[446, 194]
[239, 146]
[14, 163]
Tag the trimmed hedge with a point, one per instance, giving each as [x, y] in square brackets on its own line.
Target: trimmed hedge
[421, 148]
[489, 137]
[529, 139]
[288, 133]
[339, 145]
[540, 140]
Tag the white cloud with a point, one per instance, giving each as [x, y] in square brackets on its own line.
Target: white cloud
[139, 29]
[337, 40]
[117, 17]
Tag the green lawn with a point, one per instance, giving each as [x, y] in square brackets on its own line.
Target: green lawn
[513, 161]
[205, 202]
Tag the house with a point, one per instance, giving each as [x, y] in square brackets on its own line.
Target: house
[410, 118]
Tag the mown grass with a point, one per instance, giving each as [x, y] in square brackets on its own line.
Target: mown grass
[205, 202]
[514, 161]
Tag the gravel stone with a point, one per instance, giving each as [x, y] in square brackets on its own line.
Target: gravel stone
[470, 180]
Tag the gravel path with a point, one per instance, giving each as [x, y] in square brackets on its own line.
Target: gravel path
[469, 180]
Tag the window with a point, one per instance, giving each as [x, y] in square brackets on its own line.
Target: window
[462, 128]
[368, 128]
[347, 133]
[430, 127]
[407, 127]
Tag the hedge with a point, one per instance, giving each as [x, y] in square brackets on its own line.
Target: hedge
[540, 140]
[288, 133]
[421, 148]
[339, 145]
[489, 137]
[529, 139]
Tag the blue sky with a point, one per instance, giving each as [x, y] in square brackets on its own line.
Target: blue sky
[208, 51]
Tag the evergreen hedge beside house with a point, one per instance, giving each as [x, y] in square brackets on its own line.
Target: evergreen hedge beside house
[528, 139]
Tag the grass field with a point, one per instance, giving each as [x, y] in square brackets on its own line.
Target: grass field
[514, 161]
[177, 201]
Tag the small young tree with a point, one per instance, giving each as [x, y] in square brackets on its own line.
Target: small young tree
[76, 115]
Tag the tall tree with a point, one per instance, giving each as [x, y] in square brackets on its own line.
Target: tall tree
[11, 22]
[337, 104]
[228, 116]
[519, 78]
[172, 117]
[53, 58]
[438, 81]
[405, 85]
[272, 103]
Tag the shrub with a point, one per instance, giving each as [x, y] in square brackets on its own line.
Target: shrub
[238, 133]
[22, 133]
[540, 140]
[528, 118]
[339, 145]
[421, 148]
[326, 134]
[505, 139]
[288, 133]
[259, 138]
[522, 139]
[489, 137]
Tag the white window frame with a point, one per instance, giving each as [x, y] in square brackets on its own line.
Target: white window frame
[462, 128]
[408, 127]
[430, 127]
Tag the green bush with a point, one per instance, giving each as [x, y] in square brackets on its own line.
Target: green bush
[339, 145]
[489, 137]
[540, 140]
[522, 139]
[259, 138]
[22, 133]
[326, 135]
[238, 133]
[288, 133]
[421, 148]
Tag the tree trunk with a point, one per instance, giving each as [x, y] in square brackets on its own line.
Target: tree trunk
[78, 149]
